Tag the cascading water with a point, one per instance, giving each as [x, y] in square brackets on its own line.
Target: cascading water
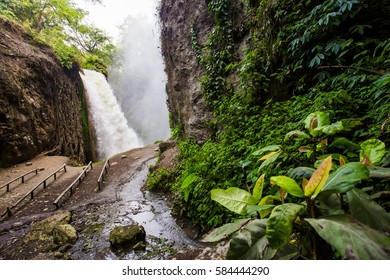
[111, 128]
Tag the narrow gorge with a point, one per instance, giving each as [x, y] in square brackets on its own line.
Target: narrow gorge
[261, 127]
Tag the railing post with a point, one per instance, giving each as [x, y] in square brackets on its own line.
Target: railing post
[32, 195]
[7, 187]
[55, 176]
[64, 168]
[9, 212]
[44, 184]
[23, 179]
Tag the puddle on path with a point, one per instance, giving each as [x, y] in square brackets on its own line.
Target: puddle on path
[164, 236]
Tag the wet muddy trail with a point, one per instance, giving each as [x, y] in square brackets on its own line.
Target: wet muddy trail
[133, 205]
[122, 201]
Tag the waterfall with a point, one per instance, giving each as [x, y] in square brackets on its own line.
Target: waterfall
[112, 132]
[139, 80]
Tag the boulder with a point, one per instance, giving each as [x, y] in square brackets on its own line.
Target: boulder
[44, 229]
[51, 233]
[129, 235]
[64, 234]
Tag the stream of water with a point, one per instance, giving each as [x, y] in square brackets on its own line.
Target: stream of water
[133, 205]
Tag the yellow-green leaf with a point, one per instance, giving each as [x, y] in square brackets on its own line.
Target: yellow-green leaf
[318, 179]
[288, 184]
[267, 200]
[269, 155]
[258, 189]
[304, 183]
[234, 199]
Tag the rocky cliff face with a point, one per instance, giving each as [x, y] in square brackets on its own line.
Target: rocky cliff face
[39, 101]
[185, 100]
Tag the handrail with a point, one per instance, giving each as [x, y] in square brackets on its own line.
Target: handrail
[78, 179]
[104, 170]
[31, 192]
[21, 176]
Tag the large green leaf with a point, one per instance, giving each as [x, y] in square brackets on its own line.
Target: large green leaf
[300, 172]
[316, 120]
[379, 172]
[224, 231]
[373, 150]
[288, 184]
[185, 187]
[234, 199]
[345, 178]
[368, 211]
[296, 134]
[358, 240]
[250, 242]
[330, 129]
[280, 224]
[344, 144]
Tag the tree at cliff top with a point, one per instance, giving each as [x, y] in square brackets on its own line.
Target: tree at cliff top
[60, 24]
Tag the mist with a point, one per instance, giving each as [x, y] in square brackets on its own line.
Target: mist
[138, 79]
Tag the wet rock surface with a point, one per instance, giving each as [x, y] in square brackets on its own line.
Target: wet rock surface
[39, 100]
[185, 100]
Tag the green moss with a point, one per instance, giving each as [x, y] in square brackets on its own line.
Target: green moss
[88, 150]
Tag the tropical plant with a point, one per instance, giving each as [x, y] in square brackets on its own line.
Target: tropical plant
[357, 228]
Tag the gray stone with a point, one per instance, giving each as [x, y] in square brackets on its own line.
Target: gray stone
[127, 235]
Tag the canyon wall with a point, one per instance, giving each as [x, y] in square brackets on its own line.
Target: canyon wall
[40, 101]
[185, 101]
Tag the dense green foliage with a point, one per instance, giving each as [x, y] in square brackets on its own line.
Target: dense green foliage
[331, 57]
[59, 24]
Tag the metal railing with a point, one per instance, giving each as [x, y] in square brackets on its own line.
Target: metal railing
[20, 177]
[31, 192]
[70, 188]
[104, 171]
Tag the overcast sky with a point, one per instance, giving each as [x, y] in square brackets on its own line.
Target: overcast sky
[111, 14]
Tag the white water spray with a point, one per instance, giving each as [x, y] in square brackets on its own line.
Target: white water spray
[111, 128]
[139, 80]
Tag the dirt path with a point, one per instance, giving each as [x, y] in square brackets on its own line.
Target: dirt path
[121, 201]
[84, 199]
[46, 166]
